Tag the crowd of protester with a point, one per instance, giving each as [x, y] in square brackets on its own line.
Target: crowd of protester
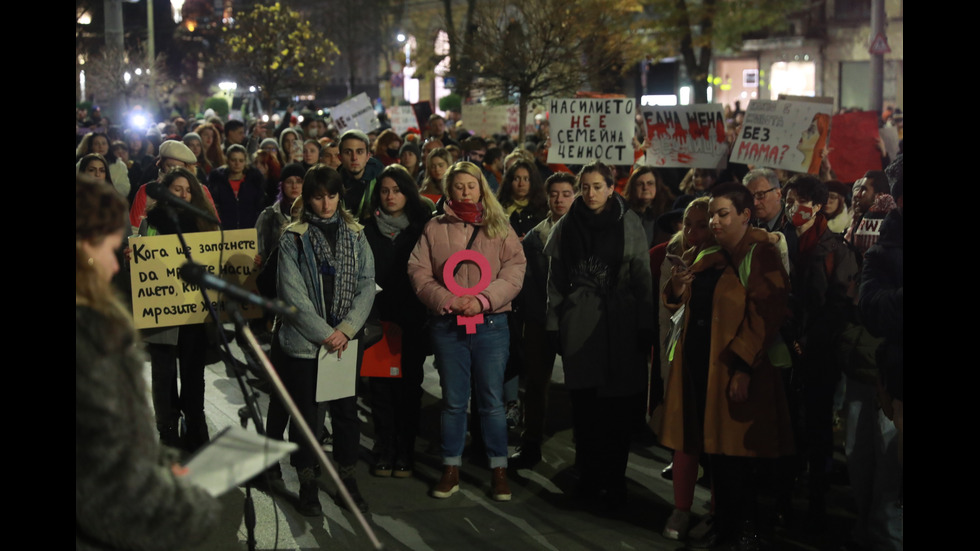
[732, 310]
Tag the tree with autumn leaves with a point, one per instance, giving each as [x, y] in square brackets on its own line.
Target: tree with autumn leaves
[277, 49]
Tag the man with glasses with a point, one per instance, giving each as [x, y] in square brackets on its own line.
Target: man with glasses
[768, 209]
[474, 150]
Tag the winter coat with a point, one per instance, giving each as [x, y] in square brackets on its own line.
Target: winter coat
[883, 300]
[126, 496]
[269, 228]
[397, 301]
[745, 321]
[532, 303]
[241, 211]
[301, 285]
[604, 340]
[823, 285]
[447, 234]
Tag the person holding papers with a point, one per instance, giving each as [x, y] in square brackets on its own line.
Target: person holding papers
[129, 490]
[326, 270]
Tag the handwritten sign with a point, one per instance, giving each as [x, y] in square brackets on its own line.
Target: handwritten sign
[585, 130]
[402, 118]
[355, 113]
[687, 136]
[470, 322]
[783, 134]
[162, 299]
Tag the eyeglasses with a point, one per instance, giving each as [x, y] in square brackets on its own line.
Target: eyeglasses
[761, 195]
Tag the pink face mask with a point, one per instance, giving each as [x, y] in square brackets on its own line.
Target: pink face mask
[801, 214]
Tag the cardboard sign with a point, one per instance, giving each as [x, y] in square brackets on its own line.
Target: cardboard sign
[402, 118]
[355, 113]
[513, 125]
[685, 136]
[162, 299]
[589, 129]
[853, 150]
[486, 120]
[783, 134]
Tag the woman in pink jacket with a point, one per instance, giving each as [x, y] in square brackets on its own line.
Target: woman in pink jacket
[468, 300]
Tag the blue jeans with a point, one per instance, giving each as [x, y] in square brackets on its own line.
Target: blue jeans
[481, 357]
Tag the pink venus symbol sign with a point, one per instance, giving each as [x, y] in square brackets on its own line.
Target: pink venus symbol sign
[470, 322]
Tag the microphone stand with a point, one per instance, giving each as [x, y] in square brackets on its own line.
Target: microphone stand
[259, 363]
[248, 512]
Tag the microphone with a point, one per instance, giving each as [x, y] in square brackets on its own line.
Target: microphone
[160, 192]
[196, 274]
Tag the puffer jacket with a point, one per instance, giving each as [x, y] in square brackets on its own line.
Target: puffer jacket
[447, 234]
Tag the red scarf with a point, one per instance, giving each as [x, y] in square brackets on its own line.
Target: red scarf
[471, 213]
[811, 237]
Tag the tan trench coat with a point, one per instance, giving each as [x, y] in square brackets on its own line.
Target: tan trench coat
[745, 320]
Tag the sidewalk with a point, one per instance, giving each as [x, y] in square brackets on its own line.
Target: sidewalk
[541, 515]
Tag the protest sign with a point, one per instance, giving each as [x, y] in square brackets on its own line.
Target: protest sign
[402, 118]
[685, 136]
[513, 121]
[783, 134]
[162, 299]
[853, 145]
[355, 113]
[486, 120]
[588, 129]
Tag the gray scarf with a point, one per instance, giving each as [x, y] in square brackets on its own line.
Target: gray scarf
[338, 262]
[391, 226]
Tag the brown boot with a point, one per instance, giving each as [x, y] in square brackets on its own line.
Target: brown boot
[499, 489]
[449, 484]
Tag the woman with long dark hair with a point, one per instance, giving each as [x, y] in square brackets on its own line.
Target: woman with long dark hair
[397, 217]
[185, 344]
[522, 197]
[600, 302]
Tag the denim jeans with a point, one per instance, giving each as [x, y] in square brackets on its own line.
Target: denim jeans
[482, 358]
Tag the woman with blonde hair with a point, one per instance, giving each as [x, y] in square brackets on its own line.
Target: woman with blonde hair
[436, 165]
[458, 295]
